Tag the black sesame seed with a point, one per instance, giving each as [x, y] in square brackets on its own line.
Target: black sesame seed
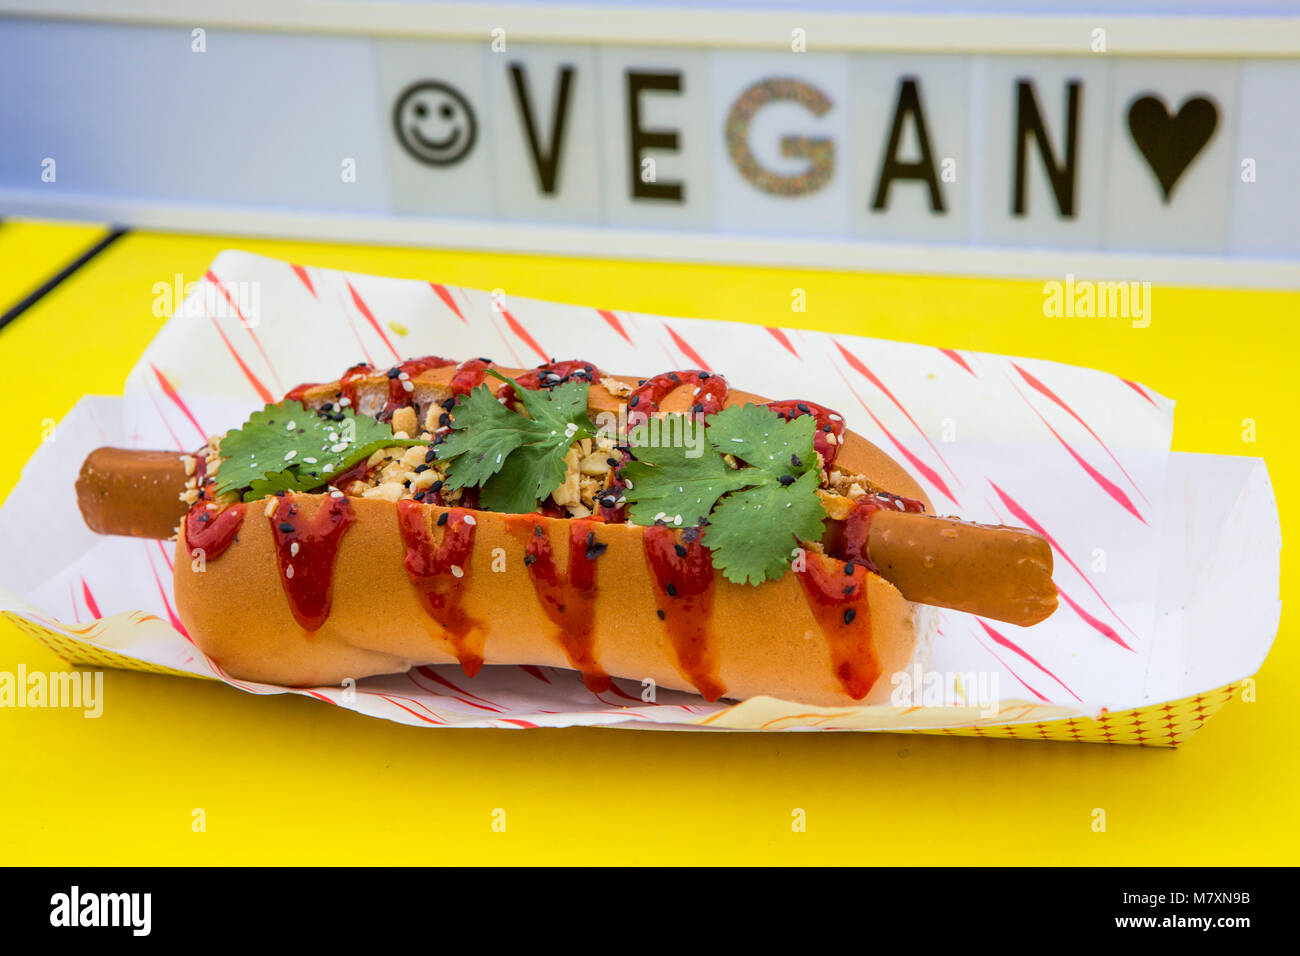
[681, 552]
[849, 615]
[488, 360]
[594, 551]
[634, 401]
[529, 559]
[848, 569]
[394, 372]
[286, 527]
[537, 530]
[448, 405]
[442, 518]
[661, 614]
[826, 428]
[786, 480]
[699, 408]
[672, 591]
[675, 377]
[430, 456]
[803, 408]
[420, 468]
[794, 460]
[444, 420]
[848, 590]
[704, 375]
[612, 462]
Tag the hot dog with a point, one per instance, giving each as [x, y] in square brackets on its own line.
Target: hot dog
[789, 557]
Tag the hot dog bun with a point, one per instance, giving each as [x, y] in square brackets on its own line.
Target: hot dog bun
[776, 638]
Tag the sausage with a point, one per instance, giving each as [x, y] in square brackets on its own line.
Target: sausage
[132, 492]
[994, 571]
[991, 570]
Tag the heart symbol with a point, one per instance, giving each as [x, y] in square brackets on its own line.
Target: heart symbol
[1170, 143]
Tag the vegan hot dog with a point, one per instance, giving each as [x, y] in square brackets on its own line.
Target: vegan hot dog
[667, 529]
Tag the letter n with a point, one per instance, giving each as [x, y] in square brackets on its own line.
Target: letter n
[1060, 175]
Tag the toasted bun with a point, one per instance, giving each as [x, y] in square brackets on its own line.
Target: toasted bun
[758, 640]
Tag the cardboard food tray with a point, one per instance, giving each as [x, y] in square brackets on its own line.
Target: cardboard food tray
[1167, 563]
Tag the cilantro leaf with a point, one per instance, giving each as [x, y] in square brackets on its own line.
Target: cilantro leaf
[760, 437]
[518, 460]
[755, 513]
[289, 447]
[753, 532]
[666, 481]
[529, 475]
[484, 433]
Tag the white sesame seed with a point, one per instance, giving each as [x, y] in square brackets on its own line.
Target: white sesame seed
[455, 569]
[327, 469]
[345, 402]
[310, 461]
[469, 519]
[289, 454]
[408, 385]
[339, 446]
[336, 494]
[288, 572]
[291, 426]
[293, 550]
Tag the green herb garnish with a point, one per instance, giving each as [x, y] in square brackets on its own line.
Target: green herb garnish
[756, 513]
[289, 447]
[517, 460]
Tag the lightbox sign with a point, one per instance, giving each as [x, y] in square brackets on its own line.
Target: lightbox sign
[659, 150]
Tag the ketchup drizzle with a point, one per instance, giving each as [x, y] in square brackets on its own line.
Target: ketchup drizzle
[309, 587]
[470, 374]
[683, 573]
[554, 373]
[857, 526]
[837, 598]
[569, 600]
[432, 572]
[828, 423]
[645, 399]
[212, 532]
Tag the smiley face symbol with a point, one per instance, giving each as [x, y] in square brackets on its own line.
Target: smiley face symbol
[434, 123]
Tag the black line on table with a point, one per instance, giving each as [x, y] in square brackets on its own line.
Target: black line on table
[48, 286]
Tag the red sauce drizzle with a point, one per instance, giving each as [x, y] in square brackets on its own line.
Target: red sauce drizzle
[839, 603]
[469, 376]
[298, 393]
[348, 382]
[432, 571]
[569, 600]
[310, 588]
[829, 423]
[857, 526]
[683, 573]
[398, 395]
[212, 532]
[552, 374]
[645, 399]
[557, 373]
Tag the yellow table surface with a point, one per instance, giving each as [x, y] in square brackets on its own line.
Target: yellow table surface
[289, 780]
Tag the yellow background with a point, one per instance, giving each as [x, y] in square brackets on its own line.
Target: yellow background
[289, 780]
